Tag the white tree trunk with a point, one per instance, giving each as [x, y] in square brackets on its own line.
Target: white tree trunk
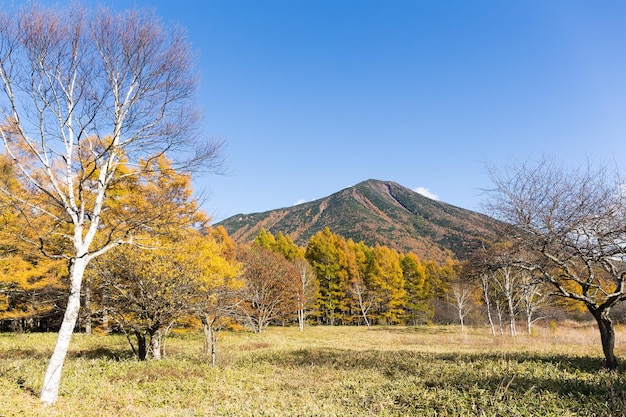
[485, 286]
[52, 378]
[301, 319]
[500, 320]
[511, 316]
[155, 344]
[88, 307]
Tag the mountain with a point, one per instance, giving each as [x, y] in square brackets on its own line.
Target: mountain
[375, 212]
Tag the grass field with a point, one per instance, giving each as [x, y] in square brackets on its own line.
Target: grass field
[340, 371]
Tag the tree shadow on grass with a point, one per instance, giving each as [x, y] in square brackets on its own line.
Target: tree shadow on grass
[350, 359]
[116, 355]
[581, 380]
[420, 329]
[23, 353]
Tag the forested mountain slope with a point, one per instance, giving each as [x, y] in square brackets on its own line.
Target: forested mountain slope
[375, 212]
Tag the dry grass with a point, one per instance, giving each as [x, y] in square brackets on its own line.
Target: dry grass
[423, 371]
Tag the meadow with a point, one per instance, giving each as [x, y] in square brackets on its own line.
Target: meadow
[324, 371]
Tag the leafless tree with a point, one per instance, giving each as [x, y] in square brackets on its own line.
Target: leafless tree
[505, 279]
[460, 297]
[485, 286]
[81, 93]
[305, 289]
[364, 298]
[531, 298]
[569, 227]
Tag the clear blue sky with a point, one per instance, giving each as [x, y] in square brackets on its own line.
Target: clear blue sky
[312, 96]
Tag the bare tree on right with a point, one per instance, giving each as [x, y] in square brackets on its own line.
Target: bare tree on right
[568, 226]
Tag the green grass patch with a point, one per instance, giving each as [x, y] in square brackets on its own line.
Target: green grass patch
[325, 371]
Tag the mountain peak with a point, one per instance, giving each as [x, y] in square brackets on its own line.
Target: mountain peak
[375, 212]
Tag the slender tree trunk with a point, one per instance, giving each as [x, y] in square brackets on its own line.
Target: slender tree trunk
[207, 328]
[491, 325]
[213, 347]
[489, 317]
[52, 378]
[485, 286]
[500, 323]
[155, 343]
[88, 307]
[364, 313]
[301, 318]
[511, 316]
[105, 311]
[607, 336]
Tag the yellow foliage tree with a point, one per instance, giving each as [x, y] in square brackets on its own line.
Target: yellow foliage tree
[146, 290]
[220, 292]
[30, 284]
[386, 281]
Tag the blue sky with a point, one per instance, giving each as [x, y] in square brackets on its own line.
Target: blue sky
[312, 96]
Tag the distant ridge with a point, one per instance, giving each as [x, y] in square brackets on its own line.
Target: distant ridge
[375, 212]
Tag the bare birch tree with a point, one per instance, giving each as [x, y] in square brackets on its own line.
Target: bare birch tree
[81, 93]
[485, 286]
[364, 298]
[532, 298]
[305, 289]
[460, 297]
[569, 227]
[505, 280]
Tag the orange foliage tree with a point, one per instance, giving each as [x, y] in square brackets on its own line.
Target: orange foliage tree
[270, 283]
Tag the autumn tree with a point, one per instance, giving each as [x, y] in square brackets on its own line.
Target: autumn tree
[31, 285]
[327, 254]
[359, 261]
[147, 291]
[158, 195]
[287, 247]
[83, 91]
[386, 281]
[306, 286]
[265, 239]
[418, 290]
[220, 294]
[173, 270]
[280, 243]
[569, 227]
[440, 275]
[270, 282]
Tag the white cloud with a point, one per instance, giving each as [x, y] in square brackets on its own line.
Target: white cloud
[301, 201]
[426, 193]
